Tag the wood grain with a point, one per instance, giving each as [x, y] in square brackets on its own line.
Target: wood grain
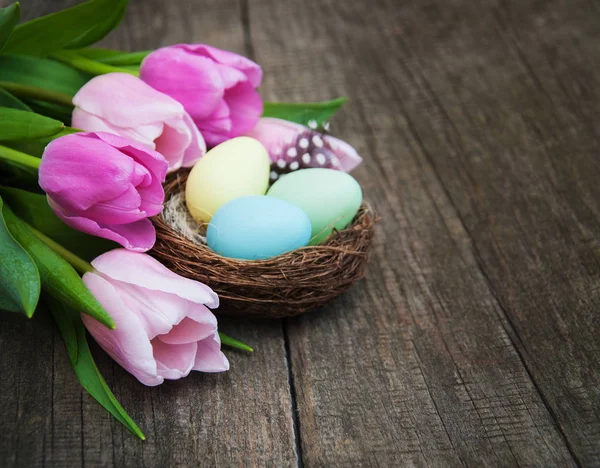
[448, 355]
[473, 339]
[508, 131]
[239, 418]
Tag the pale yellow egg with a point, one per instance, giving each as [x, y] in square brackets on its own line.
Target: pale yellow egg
[233, 169]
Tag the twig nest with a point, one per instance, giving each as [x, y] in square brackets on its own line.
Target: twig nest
[282, 286]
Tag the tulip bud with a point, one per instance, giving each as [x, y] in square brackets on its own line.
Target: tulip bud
[164, 327]
[292, 146]
[105, 185]
[216, 87]
[124, 105]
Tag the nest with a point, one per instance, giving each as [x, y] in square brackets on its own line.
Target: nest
[289, 284]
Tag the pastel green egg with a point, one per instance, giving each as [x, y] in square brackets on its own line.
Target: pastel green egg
[330, 198]
[233, 169]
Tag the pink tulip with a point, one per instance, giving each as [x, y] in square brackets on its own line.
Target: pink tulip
[122, 104]
[164, 327]
[292, 146]
[216, 87]
[105, 185]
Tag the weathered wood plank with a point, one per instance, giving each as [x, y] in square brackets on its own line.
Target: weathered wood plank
[504, 105]
[485, 261]
[241, 418]
[234, 419]
[418, 364]
[26, 390]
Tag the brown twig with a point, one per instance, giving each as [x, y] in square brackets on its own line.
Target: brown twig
[282, 286]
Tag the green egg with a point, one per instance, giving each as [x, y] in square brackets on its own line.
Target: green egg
[330, 198]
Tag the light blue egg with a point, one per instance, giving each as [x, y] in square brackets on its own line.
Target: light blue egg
[257, 227]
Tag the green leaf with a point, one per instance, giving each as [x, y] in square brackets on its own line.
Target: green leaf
[36, 146]
[12, 156]
[115, 13]
[18, 169]
[41, 73]
[8, 100]
[49, 109]
[19, 277]
[86, 65]
[73, 332]
[310, 113]
[59, 278]
[131, 59]
[74, 27]
[98, 53]
[114, 57]
[23, 125]
[6, 303]
[9, 17]
[18, 175]
[34, 209]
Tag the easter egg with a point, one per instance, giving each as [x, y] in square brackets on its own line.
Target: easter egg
[257, 227]
[233, 169]
[330, 198]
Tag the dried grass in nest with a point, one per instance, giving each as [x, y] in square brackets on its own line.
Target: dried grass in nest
[282, 286]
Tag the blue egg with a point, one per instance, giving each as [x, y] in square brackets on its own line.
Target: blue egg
[257, 227]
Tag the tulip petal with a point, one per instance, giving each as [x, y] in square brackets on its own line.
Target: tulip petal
[125, 101]
[174, 361]
[274, 133]
[216, 87]
[347, 156]
[172, 143]
[192, 80]
[139, 236]
[143, 134]
[151, 200]
[282, 140]
[122, 209]
[218, 122]
[246, 107]
[197, 147]
[188, 331]
[128, 344]
[127, 106]
[126, 267]
[72, 161]
[209, 357]
[152, 160]
[202, 314]
[230, 76]
[167, 316]
[251, 69]
[152, 194]
[158, 311]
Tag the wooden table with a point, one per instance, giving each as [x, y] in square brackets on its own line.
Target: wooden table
[474, 339]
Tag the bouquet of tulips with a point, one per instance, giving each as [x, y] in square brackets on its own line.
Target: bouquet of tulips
[87, 137]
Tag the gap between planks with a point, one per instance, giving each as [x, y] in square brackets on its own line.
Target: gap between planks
[293, 396]
[249, 48]
[505, 321]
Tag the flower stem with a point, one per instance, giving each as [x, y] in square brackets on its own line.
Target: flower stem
[77, 262]
[34, 92]
[228, 341]
[88, 65]
[125, 59]
[9, 154]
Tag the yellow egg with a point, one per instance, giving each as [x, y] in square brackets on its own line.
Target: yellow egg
[233, 169]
